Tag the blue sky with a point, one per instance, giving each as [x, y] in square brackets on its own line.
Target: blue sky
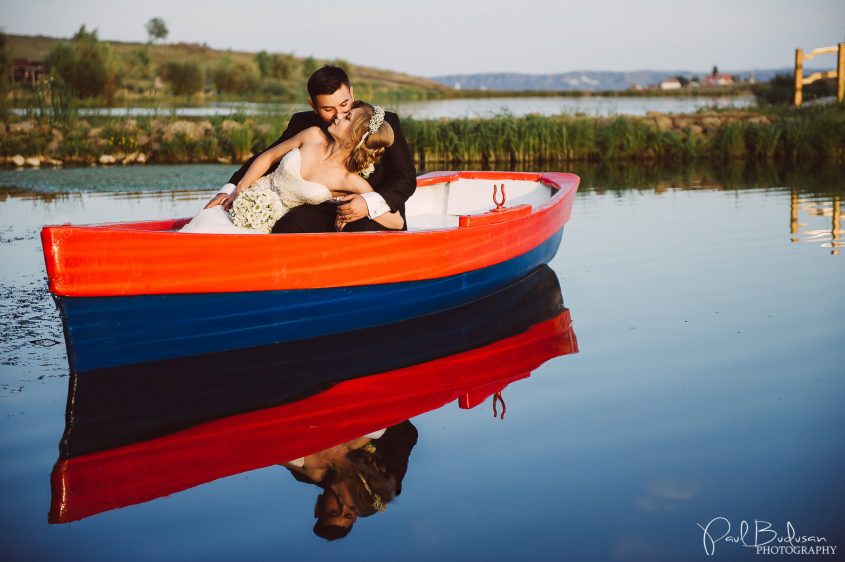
[453, 36]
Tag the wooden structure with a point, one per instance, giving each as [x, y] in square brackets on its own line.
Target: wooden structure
[839, 73]
[25, 71]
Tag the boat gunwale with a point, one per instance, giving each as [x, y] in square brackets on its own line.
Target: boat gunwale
[437, 252]
[424, 180]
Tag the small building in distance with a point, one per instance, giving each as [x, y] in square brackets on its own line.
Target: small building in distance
[717, 79]
[670, 84]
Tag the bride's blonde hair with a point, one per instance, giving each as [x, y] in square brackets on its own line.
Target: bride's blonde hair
[368, 145]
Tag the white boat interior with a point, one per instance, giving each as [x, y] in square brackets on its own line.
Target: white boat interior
[439, 206]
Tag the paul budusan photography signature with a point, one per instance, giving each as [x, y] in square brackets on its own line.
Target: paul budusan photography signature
[762, 537]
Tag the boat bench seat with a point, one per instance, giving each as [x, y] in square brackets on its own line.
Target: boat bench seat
[441, 205]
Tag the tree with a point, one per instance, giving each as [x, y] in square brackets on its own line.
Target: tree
[156, 29]
[4, 76]
[715, 70]
[682, 80]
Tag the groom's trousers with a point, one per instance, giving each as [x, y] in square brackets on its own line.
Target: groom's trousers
[320, 218]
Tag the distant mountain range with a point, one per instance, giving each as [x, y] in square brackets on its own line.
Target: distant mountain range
[586, 80]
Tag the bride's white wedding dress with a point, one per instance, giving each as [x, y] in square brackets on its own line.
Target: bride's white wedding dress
[286, 181]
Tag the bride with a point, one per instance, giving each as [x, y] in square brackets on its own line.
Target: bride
[315, 167]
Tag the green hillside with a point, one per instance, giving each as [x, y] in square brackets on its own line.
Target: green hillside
[139, 65]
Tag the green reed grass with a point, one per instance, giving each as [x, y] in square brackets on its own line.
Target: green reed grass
[795, 136]
[813, 134]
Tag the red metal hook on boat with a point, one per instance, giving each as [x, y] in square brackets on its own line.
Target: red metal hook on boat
[499, 206]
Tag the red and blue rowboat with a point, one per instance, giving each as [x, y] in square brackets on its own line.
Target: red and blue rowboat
[142, 291]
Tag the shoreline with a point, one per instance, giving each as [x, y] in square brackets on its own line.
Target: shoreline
[775, 135]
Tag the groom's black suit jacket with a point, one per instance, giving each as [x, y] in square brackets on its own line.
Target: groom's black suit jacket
[394, 177]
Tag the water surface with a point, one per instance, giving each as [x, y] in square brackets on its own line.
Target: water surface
[462, 107]
[594, 106]
[708, 310]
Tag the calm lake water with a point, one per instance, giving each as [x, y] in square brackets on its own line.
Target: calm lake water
[482, 107]
[708, 382]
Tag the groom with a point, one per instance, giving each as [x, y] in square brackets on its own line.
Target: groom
[393, 181]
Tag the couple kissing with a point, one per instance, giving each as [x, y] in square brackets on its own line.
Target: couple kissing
[345, 165]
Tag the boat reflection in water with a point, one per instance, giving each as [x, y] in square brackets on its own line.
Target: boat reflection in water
[333, 410]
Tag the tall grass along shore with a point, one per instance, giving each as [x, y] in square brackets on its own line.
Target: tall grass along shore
[809, 134]
[56, 136]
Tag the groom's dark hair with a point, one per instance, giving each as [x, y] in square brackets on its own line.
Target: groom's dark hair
[326, 80]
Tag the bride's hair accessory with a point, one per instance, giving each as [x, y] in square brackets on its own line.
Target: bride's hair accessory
[375, 123]
[377, 119]
[375, 135]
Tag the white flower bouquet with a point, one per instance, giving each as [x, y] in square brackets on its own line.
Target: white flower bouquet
[257, 208]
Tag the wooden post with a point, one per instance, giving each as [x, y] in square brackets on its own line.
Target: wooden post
[799, 75]
[835, 225]
[840, 74]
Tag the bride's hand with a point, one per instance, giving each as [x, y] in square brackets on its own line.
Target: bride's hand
[217, 200]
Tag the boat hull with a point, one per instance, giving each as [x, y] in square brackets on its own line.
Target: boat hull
[113, 331]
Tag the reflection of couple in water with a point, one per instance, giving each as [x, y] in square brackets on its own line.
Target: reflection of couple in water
[357, 478]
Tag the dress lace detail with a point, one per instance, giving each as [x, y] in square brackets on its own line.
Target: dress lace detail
[286, 181]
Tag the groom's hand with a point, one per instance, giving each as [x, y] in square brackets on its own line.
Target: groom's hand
[354, 208]
[216, 200]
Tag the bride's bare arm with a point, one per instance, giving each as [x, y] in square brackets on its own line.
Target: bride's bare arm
[357, 185]
[267, 158]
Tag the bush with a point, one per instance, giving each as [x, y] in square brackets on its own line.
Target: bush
[234, 78]
[278, 89]
[86, 66]
[241, 143]
[280, 66]
[140, 63]
[184, 77]
[283, 66]
[77, 146]
[262, 59]
[54, 102]
[181, 149]
[780, 90]
[309, 66]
